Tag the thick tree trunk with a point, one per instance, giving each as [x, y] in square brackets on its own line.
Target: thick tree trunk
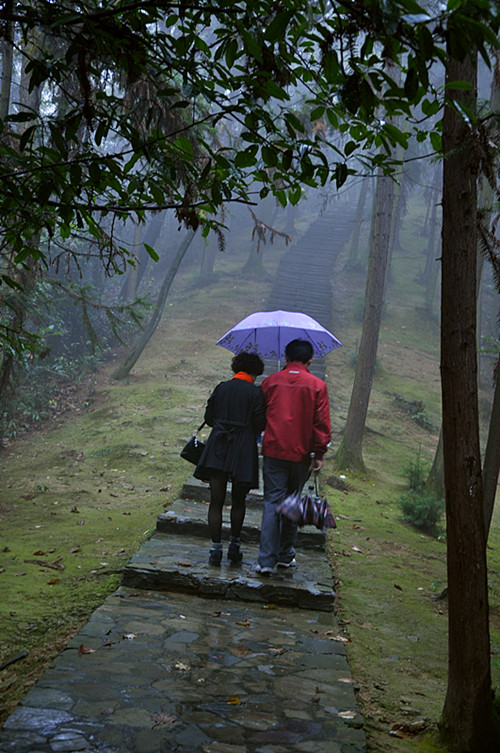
[125, 367]
[349, 454]
[467, 723]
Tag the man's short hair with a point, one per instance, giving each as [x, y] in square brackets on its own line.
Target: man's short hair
[299, 350]
[250, 363]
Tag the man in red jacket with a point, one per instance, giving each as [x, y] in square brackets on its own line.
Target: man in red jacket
[296, 437]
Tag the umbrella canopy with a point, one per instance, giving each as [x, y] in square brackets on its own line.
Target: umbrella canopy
[267, 333]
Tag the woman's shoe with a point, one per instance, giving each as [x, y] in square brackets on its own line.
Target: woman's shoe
[233, 552]
[215, 557]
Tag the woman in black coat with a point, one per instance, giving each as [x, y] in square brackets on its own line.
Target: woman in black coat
[237, 413]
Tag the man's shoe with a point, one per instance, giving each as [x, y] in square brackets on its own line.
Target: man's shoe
[265, 570]
[215, 557]
[233, 552]
[292, 563]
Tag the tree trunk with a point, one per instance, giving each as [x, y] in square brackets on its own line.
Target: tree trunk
[7, 62]
[352, 260]
[125, 367]
[491, 467]
[349, 454]
[435, 479]
[467, 723]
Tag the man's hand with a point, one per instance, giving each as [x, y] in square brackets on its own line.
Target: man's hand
[316, 465]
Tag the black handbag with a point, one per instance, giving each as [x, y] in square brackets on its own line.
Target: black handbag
[193, 449]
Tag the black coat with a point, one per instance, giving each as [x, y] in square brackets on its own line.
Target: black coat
[237, 412]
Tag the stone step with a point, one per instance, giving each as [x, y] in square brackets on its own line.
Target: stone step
[190, 518]
[194, 489]
[167, 562]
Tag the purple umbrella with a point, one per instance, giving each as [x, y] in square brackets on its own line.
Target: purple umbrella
[267, 333]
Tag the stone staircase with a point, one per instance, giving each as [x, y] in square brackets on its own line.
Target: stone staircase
[303, 279]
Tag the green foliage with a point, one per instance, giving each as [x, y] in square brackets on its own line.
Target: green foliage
[416, 472]
[420, 508]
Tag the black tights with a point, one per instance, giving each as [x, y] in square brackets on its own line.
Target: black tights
[218, 486]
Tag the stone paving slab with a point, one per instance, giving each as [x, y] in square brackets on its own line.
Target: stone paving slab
[179, 563]
[195, 489]
[189, 516]
[154, 673]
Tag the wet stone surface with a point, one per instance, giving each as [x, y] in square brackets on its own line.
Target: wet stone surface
[195, 675]
[190, 658]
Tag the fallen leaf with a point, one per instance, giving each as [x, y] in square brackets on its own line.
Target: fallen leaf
[185, 564]
[75, 549]
[82, 650]
[53, 581]
[347, 680]
[347, 714]
[233, 700]
[244, 623]
[276, 650]
[398, 587]
[240, 650]
[16, 574]
[181, 666]
[163, 718]
[39, 553]
[269, 606]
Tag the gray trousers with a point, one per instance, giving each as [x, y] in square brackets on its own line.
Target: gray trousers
[278, 534]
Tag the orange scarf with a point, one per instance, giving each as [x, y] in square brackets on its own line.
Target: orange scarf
[243, 375]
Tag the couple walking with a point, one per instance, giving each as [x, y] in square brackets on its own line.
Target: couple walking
[292, 406]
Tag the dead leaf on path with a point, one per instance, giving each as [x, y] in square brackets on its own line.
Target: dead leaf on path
[336, 637]
[233, 700]
[82, 650]
[269, 606]
[347, 714]
[163, 718]
[243, 623]
[184, 564]
[181, 666]
[276, 650]
[240, 649]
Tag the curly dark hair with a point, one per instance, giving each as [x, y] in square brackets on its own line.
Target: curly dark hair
[251, 363]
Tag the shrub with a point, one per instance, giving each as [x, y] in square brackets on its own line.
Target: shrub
[422, 509]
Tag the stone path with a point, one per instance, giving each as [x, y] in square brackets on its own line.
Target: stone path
[189, 658]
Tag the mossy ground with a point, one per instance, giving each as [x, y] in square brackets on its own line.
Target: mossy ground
[84, 490]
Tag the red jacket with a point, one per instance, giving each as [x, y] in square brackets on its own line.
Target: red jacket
[297, 414]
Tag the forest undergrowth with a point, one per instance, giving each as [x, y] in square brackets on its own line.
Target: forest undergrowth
[81, 493]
